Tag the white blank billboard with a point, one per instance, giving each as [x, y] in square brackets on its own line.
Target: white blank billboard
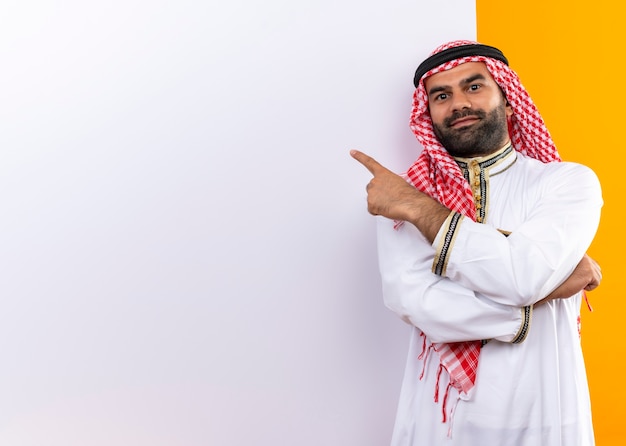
[185, 252]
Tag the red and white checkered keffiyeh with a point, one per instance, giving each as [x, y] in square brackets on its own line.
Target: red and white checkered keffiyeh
[437, 174]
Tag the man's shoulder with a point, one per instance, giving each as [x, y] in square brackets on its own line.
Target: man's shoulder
[563, 174]
[556, 167]
[577, 171]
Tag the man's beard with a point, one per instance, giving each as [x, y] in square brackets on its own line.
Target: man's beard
[481, 138]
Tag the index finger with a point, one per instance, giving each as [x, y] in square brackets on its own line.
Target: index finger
[370, 163]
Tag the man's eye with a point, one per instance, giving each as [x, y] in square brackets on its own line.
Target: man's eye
[441, 97]
[474, 87]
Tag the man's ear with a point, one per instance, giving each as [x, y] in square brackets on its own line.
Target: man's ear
[509, 109]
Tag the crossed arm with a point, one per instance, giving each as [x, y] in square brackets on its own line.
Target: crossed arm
[389, 195]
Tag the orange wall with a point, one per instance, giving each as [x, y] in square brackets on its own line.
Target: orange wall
[568, 56]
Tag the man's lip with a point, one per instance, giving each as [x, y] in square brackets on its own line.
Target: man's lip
[466, 120]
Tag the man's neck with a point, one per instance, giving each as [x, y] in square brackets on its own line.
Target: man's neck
[484, 154]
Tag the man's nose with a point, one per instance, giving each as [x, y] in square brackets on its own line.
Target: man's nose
[461, 101]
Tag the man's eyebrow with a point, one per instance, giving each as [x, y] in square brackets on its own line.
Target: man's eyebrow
[467, 80]
[437, 89]
[473, 78]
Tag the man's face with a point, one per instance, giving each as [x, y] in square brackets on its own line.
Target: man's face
[468, 110]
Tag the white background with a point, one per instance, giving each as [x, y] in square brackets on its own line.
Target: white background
[185, 253]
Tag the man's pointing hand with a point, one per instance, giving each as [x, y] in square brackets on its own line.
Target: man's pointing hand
[391, 196]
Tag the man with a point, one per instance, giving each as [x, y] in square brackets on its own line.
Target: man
[482, 251]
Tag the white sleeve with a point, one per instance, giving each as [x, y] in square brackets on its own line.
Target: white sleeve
[441, 308]
[540, 253]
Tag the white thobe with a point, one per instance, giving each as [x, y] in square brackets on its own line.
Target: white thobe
[532, 393]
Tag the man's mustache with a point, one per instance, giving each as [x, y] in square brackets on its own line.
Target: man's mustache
[463, 114]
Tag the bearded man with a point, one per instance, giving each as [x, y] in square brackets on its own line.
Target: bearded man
[482, 251]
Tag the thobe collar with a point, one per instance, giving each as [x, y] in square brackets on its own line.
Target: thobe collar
[478, 170]
[494, 163]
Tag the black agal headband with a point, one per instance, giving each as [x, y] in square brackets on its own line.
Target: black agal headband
[457, 52]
